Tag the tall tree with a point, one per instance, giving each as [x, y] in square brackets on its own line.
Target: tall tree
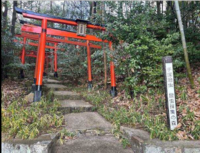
[92, 11]
[158, 7]
[5, 14]
[1, 9]
[63, 13]
[51, 10]
[95, 7]
[184, 44]
[14, 18]
[104, 52]
[39, 4]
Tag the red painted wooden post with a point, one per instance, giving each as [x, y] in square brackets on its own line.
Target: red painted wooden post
[55, 61]
[23, 58]
[113, 91]
[89, 66]
[35, 73]
[36, 62]
[40, 62]
[23, 52]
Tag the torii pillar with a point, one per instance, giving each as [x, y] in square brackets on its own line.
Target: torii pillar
[113, 90]
[89, 66]
[23, 58]
[40, 62]
[55, 61]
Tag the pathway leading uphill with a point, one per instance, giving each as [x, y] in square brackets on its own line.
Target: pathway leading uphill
[93, 132]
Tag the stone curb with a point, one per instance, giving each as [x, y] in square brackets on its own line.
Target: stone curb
[42, 144]
[141, 143]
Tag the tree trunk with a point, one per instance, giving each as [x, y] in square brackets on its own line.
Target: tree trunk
[95, 7]
[92, 13]
[81, 9]
[63, 13]
[39, 7]
[184, 44]
[120, 9]
[104, 52]
[1, 10]
[158, 7]
[5, 14]
[91, 10]
[14, 18]
[51, 10]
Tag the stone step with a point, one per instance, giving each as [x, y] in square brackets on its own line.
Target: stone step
[69, 106]
[66, 95]
[91, 144]
[86, 121]
[51, 81]
[55, 86]
[42, 144]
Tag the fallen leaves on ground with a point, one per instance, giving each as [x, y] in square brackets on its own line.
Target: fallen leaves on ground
[188, 101]
[12, 90]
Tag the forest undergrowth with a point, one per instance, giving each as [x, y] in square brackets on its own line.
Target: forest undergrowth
[147, 110]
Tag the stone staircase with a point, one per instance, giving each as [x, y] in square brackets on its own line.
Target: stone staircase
[93, 132]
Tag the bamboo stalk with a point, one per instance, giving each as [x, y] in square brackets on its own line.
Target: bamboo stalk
[184, 44]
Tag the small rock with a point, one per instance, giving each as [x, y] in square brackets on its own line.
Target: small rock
[29, 97]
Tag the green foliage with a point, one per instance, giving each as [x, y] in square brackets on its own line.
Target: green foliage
[155, 124]
[73, 63]
[146, 37]
[64, 133]
[97, 61]
[198, 80]
[10, 52]
[26, 121]
[125, 142]
[141, 61]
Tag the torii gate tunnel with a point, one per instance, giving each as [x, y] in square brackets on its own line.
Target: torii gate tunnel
[43, 31]
[34, 53]
[54, 41]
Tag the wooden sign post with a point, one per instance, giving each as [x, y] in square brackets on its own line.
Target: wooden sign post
[170, 92]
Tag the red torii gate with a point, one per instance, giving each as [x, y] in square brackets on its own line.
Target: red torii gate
[55, 41]
[33, 53]
[66, 34]
[23, 53]
[43, 31]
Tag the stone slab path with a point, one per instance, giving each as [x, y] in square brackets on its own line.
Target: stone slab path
[66, 95]
[93, 132]
[52, 81]
[86, 121]
[56, 86]
[68, 106]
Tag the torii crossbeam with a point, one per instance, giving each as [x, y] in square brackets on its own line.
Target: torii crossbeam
[55, 41]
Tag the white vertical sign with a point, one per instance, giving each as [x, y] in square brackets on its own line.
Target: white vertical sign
[171, 96]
